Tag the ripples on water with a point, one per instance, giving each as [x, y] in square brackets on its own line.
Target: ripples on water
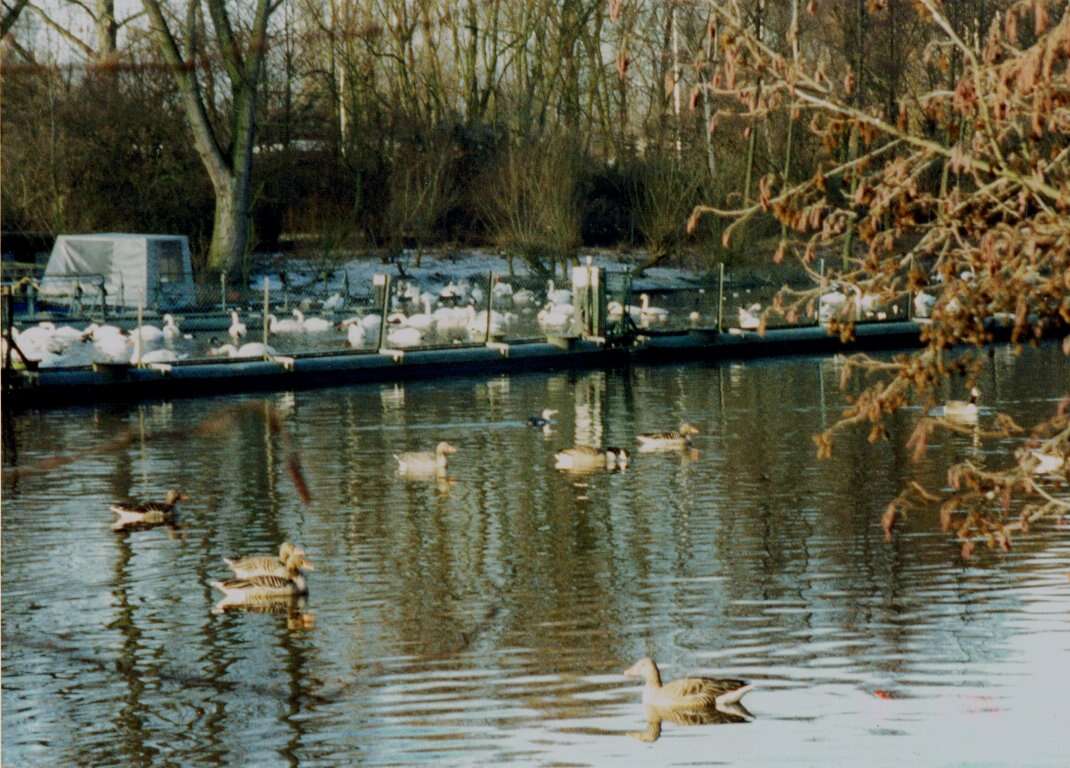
[488, 619]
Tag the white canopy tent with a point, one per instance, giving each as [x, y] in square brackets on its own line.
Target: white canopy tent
[151, 270]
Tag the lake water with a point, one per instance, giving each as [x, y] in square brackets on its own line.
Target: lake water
[486, 619]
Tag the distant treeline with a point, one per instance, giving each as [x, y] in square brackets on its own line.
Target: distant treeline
[536, 126]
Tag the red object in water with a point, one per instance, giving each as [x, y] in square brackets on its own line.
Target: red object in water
[882, 694]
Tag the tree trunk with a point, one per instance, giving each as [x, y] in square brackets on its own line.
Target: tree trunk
[107, 30]
[230, 230]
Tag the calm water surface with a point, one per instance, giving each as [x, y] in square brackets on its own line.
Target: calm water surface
[486, 619]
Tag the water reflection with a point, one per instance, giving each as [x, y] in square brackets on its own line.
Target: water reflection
[487, 621]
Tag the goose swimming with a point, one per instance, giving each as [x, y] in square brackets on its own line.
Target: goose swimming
[960, 410]
[269, 565]
[667, 441]
[148, 512]
[543, 420]
[584, 458]
[687, 693]
[425, 462]
[263, 589]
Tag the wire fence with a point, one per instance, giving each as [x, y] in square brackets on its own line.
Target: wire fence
[297, 310]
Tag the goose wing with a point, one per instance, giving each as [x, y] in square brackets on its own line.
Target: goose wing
[701, 691]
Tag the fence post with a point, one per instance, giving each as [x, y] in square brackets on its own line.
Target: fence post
[267, 310]
[137, 339]
[122, 291]
[720, 297]
[31, 298]
[821, 273]
[104, 299]
[910, 292]
[491, 280]
[223, 291]
[384, 309]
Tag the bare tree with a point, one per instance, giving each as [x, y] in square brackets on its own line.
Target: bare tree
[225, 149]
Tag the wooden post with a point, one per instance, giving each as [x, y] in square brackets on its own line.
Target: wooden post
[720, 296]
[223, 291]
[267, 310]
[137, 341]
[491, 280]
[910, 292]
[383, 312]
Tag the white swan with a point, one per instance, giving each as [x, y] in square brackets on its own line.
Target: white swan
[477, 324]
[750, 317]
[523, 298]
[223, 350]
[255, 349]
[110, 347]
[170, 328]
[286, 325]
[237, 328]
[155, 356]
[923, 304]
[312, 324]
[404, 337]
[334, 303]
[149, 334]
[557, 295]
[354, 333]
[651, 314]
[555, 317]
[829, 305]
[424, 321]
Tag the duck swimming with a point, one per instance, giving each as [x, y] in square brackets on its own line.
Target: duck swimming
[269, 565]
[584, 458]
[263, 589]
[667, 441]
[687, 693]
[961, 410]
[543, 420]
[148, 512]
[425, 462]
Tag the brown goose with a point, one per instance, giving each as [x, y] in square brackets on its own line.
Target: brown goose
[687, 693]
[259, 590]
[269, 565]
[147, 512]
[667, 441]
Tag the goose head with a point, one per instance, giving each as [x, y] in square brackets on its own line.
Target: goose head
[975, 395]
[646, 670]
[616, 457]
[174, 495]
[548, 413]
[299, 315]
[298, 561]
[169, 320]
[686, 430]
[444, 448]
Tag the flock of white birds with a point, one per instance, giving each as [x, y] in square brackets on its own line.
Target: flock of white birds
[419, 317]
